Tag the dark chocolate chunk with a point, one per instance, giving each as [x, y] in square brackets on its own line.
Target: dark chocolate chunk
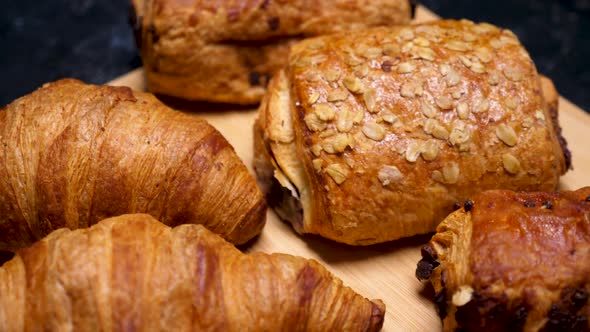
[485, 313]
[424, 269]
[548, 205]
[468, 205]
[428, 253]
[567, 155]
[456, 206]
[154, 33]
[579, 298]
[427, 263]
[274, 23]
[520, 315]
[440, 299]
[581, 323]
[254, 78]
[529, 204]
[588, 198]
[560, 320]
[265, 4]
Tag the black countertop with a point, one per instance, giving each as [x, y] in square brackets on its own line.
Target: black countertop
[91, 40]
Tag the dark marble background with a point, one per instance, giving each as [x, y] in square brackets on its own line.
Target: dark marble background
[90, 40]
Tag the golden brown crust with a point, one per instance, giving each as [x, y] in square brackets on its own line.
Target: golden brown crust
[519, 258]
[226, 51]
[72, 154]
[132, 273]
[392, 126]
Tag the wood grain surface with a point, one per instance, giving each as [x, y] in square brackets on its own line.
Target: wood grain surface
[384, 271]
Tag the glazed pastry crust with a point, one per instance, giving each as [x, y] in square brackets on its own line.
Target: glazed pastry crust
[73, 154]
[387, 128]
[226, 51]
[132, 273]
[513, 261]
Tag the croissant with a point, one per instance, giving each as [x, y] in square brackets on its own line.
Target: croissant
[73, 154]
[511, 261]
[132, 273]
[227, 50]
[372, 136]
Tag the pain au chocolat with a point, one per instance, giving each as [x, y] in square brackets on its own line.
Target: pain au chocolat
[226, 50]
[511, 261]
[373, 136]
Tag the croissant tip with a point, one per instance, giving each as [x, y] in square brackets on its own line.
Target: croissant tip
[378, 315]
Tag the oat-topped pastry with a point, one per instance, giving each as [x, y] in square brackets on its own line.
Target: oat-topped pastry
[511, 261]
[227, 50]
[373, 136]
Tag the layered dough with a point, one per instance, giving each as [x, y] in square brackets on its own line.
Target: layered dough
[72, 154]
[227, 51]
[513, 261]
[373, 136]
[133, 273]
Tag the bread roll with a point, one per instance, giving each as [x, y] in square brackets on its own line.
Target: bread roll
[373, 136]
[511, 261]
[72, 154]
[226, 51]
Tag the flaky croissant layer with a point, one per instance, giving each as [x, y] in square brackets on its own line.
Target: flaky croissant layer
[73, 154]
[132, 273]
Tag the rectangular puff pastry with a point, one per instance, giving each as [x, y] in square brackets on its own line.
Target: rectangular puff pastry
[226, 51]
[372, 136]
[510, 261]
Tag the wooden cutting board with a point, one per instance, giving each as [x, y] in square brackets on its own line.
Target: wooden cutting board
[384, 271]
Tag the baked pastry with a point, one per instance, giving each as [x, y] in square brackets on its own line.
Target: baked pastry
[132, 273]
[510, 261]
[226, 51]
[373, 136]
[73, 154]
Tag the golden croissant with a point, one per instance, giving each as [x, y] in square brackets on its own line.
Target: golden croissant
[132, 273]
[73, 154]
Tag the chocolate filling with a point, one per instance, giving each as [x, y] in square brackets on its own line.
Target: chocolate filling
[427, 264]
[281, 199]
[563, 320]
[440, 299]
[257, 79]
[274, 23]
[485, 313]
[567, 155]
[468, 205]
[287, 207]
